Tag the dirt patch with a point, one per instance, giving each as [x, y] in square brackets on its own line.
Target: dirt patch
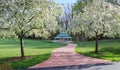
[5, 66]
[12, 59]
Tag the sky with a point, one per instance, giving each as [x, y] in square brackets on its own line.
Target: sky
[65, 1]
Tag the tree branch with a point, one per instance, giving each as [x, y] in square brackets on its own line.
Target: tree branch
[29, 20]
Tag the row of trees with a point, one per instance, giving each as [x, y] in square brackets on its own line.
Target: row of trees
[97, 18]
[25, 17]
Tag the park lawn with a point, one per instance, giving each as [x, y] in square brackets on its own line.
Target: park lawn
[36, 51]
[109, 49]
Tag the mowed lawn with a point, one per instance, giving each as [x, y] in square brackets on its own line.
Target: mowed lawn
[36, 50]
[109, 49]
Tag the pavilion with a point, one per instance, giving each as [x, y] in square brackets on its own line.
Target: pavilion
[63, 38]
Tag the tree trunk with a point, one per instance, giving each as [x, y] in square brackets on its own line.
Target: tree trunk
[96, 45]
[22, 47]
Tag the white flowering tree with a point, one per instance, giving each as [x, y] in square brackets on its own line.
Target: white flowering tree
[27, 16]
[78, 25]
[114, 2]
[98, 18]
[4, 31]
[115, 24]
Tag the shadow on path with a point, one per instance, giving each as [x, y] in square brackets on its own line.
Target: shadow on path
[76, 67]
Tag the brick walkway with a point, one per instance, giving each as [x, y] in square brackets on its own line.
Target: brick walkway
[66, 56]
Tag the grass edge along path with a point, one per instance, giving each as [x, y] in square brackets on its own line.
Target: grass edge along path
[30, 62]
[109, 49]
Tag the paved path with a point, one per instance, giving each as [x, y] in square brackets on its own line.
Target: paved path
[66, 56]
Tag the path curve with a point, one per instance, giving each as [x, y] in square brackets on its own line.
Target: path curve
[66, 56]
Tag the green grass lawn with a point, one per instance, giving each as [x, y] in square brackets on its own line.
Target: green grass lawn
[36, 50]
[110, 49]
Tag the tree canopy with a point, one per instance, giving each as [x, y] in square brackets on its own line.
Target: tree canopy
[98, 18]
[26, 17]
[80, 4]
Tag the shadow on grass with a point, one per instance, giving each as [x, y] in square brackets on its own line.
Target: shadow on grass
[114, 50]
[21, 64]
[76, 67]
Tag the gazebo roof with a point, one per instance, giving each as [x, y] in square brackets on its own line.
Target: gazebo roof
[63, 35]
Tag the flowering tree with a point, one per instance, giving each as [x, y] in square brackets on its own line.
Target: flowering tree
[97, 19]
[4, 30]
[27, 16]
[114, 2]
[78, 25]
[115, 23]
